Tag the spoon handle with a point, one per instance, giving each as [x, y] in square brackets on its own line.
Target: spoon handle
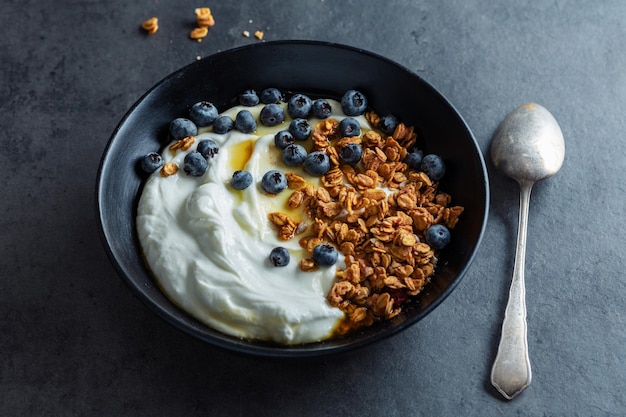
[511, 369]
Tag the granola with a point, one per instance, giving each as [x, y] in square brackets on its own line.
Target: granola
[376, 214]
[168, 169]
[199, 33]
[204, 18]
[183, 144]
[150, 25]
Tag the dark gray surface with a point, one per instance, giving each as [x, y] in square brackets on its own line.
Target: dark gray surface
[74, 341]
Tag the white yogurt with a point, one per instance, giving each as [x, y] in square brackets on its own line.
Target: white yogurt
[208, 244]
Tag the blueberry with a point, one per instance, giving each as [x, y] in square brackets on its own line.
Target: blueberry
[325, 255]
[151, 162]
[300, 129]
[248, 98]
[299, 106]
[207, 148]
[195, 164]
[283, 138]
[271, 95]
[222, 124]
[351, 153]
[317, 163]
[438, 236]
[279, 256]
[294, 155]
[273, 182]
[433, 166]
[353, 103]
[272, 115]
[322, 109]
[244, 122]
[181, 128]
[241, 180]
[388, 124]
[414, 159]
[203, 113]
[349, 127]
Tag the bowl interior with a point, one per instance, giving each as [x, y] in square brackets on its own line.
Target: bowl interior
[317, 69]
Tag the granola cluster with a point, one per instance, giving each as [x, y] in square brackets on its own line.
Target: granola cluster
[204, 21]
[376, 215]
[150, 25]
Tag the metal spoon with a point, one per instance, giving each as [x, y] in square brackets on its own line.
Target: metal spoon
[528, 146]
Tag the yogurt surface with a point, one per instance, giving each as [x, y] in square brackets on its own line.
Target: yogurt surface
[207, 244]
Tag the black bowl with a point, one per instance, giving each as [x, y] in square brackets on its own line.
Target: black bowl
[318, 69]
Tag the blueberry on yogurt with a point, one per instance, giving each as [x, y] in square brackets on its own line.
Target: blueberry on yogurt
[351, 153]
[203, 113]
[322, 108]
[300, 129]
[283, 139]
[207, 148]
[151, 162]
[272, 114]
[273, 182]
[195, 164]
[325, 255]
[294, 155]
[271, 96]
[223, 124]
[241, 180]
[349, 127]
[249, 98]
[244, 122]
[299, 106]
[353, 103]
[279, 256]
[317, 163]
[181, 128]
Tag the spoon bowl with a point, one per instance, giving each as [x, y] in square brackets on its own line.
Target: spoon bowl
[527, 146]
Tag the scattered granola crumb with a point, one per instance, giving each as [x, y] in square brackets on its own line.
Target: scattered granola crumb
[151, 25]
[246, 33]
[168, 169]
[183, 144]
[204, 18]
[199, 33]
[258, 34]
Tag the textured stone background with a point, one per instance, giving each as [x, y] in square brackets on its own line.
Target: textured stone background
[73, 339]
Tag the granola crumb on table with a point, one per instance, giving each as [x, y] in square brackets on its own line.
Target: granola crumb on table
[204, 18]
[199, 33]
[380, 232]
[150, 25]
[204, 21]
